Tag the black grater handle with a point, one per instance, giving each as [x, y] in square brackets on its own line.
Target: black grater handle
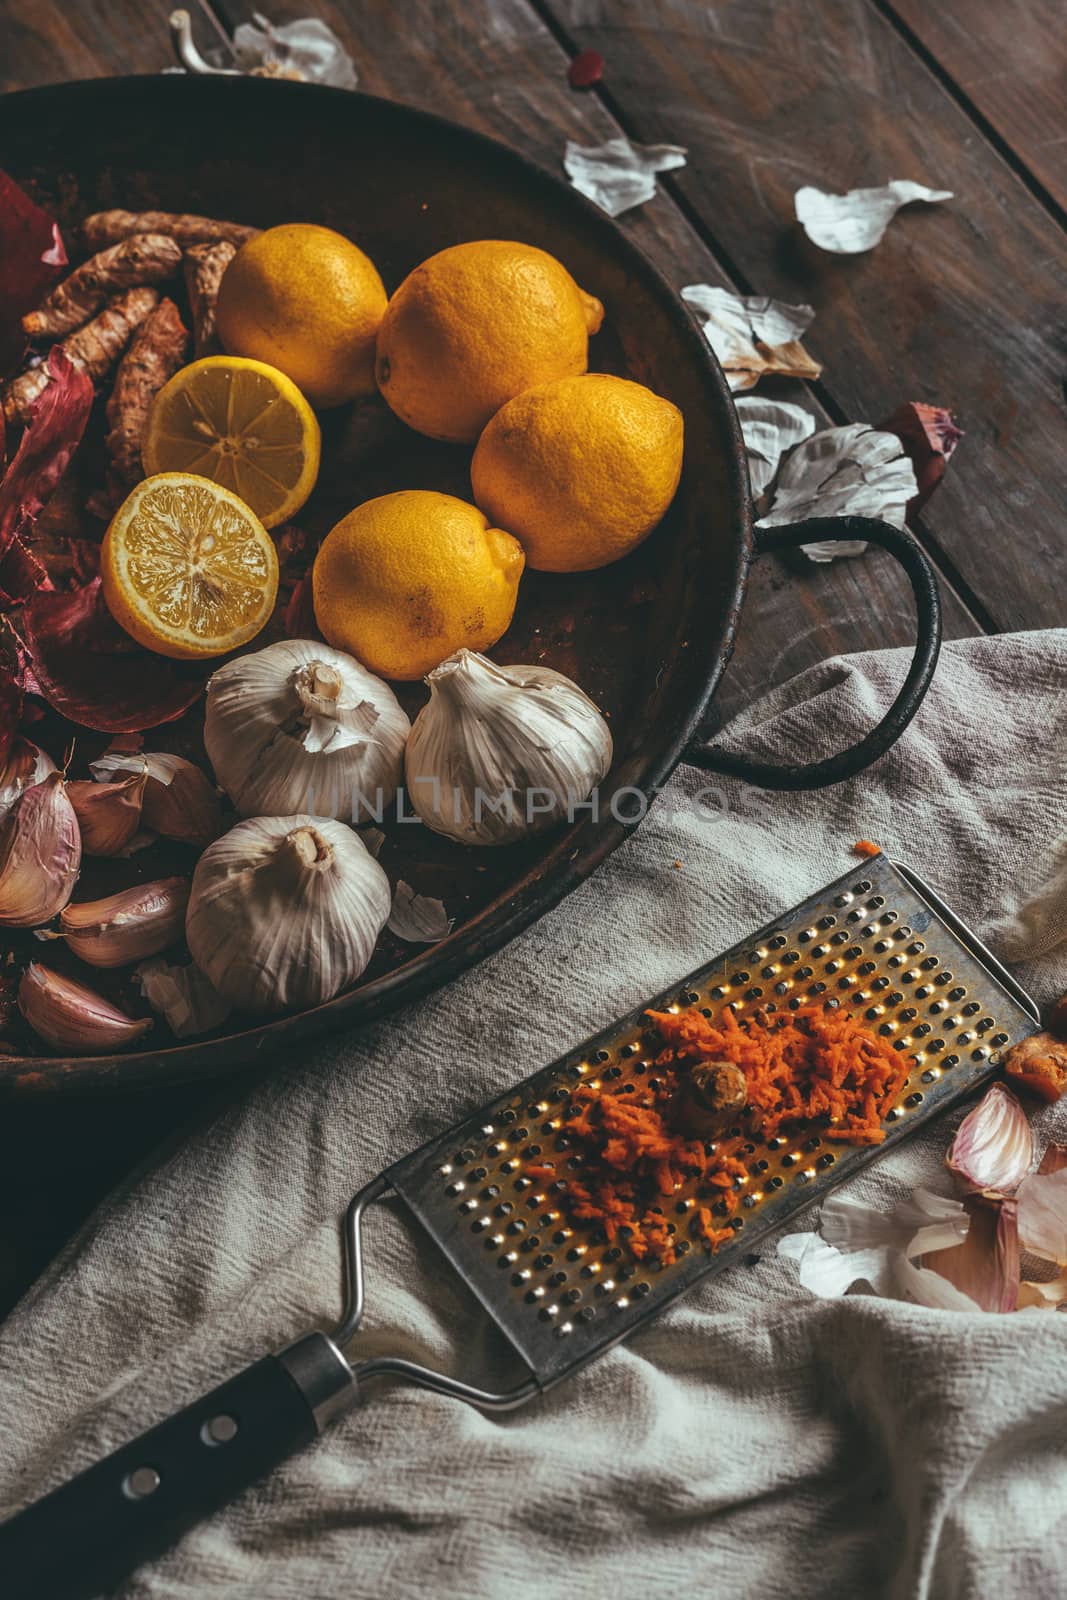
[858, 757]
[86, 1536]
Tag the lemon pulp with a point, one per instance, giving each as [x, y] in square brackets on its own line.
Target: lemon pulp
[188, 569]
[244, 425]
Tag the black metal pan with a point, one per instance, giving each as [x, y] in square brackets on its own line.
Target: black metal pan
[648, 638]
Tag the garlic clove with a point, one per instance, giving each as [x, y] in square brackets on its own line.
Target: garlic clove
[500, 753]
[40, 853]
[180, 801]
[26, 765]
[129, 926]
[994, 1145]
[285, 911]
[71, 1018]
[109, 814]
[303, 729]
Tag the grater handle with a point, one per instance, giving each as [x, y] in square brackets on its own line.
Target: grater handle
[86, 1536]
[858, 757]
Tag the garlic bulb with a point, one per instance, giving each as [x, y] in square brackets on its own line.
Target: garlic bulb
[40, 853]
[285, 911]
[26, 765]
[301, 727]
[499, 753]
[70, 1017]
[109, 814]
[180, 801]
[128, 926]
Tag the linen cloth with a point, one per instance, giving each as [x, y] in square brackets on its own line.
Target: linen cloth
[751, 1441]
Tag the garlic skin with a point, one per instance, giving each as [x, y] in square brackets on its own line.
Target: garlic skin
[73, 1019]
[26, 765]
[40, 853]
[285, 912]
[128, 926]
[500, 753]
[180, 801]
[187, 1001]
[302, 728]
[109, 814]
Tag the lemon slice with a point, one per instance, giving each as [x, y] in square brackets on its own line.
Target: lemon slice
[187, 568]
[242, 424]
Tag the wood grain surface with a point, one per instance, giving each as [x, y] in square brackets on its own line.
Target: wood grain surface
[962, 304]
[1008, 60]
[50, 43]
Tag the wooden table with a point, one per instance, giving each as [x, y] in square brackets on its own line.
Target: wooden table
[965, 307]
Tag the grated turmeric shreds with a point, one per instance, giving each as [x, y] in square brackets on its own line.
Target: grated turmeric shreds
[630, 1149]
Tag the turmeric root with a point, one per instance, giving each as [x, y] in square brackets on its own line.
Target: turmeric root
[108, 227]
[142, 258]
[93, 349]
[1039, 1063]
[204, 267]
[156, 351]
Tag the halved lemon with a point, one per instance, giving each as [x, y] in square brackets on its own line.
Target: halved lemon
[187, 568]
[244, 425]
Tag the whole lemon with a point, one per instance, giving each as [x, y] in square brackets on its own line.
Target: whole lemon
[307, 301]
[475, 325]
[580, 470]
[406, 579]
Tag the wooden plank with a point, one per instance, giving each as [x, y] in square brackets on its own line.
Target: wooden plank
[1009, 58]
[960, 303]
[493, 65]
[91, 39]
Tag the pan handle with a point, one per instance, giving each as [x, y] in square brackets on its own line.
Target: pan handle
[86, 1536]
[859, 756]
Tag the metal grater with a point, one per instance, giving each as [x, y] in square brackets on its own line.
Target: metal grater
[878, 941]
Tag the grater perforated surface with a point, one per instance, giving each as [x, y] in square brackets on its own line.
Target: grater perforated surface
[558, 1290]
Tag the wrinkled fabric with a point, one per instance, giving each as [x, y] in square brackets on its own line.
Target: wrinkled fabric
[751, 1441]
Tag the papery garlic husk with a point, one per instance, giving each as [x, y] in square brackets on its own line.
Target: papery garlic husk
[109, 814]
[418, 918]
[40, 853]
[184, 996]
[285, 911]
[128, 926]
[1043, 1215]
[26, 765]
[70, 1017]
[302, 728]
[500, 753]
[180, 801]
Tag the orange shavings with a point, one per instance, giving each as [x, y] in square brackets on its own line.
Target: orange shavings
[630, 1151]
